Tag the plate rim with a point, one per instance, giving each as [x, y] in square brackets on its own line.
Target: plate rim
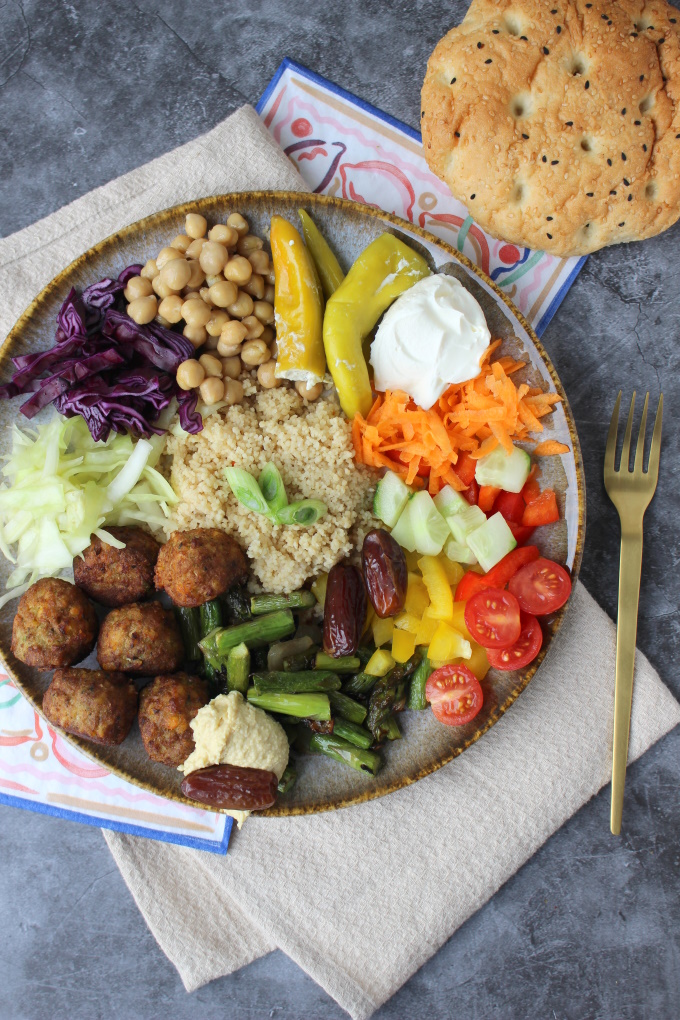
[304, 198]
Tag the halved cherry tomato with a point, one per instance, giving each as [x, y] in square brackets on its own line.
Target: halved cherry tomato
[542, 511]
[524, 650]
[492, 617]
[396, 455]
[531, 490]
[541, 587]
[487, 496]
[520, 533]
[470, 583]
[465, 468]
[454, 694]
[510, 505]
[471, 494]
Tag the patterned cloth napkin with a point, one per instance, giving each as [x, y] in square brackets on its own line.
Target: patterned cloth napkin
[360, 898]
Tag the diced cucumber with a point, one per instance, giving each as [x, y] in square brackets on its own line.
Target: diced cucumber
[430, 530]
[464, 523]
[492, 541]
[390, 498]
[503, 470]
[449, 502]
[402, 532]
[458, 552]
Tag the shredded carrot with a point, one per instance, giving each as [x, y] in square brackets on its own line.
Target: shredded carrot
[550, 447]
[470, 419]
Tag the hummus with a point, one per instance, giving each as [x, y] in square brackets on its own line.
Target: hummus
[230, 731]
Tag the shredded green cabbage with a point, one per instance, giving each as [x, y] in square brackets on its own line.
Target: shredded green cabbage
[61, 487]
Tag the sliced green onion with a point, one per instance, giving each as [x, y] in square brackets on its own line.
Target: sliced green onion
[272, 487]
[246, 489]
[305, 512]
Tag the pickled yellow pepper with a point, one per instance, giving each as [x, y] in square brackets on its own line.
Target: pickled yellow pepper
[383, 271]
[328, 267]
[298, 307]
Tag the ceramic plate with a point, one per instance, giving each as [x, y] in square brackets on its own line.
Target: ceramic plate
[426, 745]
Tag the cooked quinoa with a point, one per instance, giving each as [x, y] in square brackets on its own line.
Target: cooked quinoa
[311, 445]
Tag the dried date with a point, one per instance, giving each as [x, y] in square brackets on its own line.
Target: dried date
[344, 610]
[232, 787]
[385, 572]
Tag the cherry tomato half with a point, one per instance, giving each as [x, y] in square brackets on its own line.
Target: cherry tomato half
[454, 694]
[541, 587]
[524, 650]
[492, 617]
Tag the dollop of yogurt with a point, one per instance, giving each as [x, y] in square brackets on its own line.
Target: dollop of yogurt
[432, 336]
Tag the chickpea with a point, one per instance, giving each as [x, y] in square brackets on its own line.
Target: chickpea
[195, 248]
[308, 392]
[223, 294]
[167, 255]
[238, 269]
[210, 281]
[195, 312]
[213, 257]
[254, 352]
[270, 293]
[181, 243]
[254, 287]
[195, 225]
[137, 286]
[254, 326]
[233, 391]
[195, 334]
[211, 365]
[249, 243]
[242, 306]
[190, 295]
[197, 275]
[160, 287]
[211, 390]
[232, 336]
[176, 274]
[267, 334]
[259, 260]
[216, 323]
[239, 224]
[150, 270]
[264, 312]
[231, 367]
[224, 234]
[266, 375]
[190, 374]
[205, 296]
[171, 308]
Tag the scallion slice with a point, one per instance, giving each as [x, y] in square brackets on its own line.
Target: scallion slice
[272, 487]
[305, 512]
[246, 489]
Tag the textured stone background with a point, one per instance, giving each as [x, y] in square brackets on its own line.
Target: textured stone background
[589, 929]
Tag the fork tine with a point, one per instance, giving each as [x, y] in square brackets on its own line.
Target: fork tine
[640, 449]
[655, 448]
[624, 463]
[610, 449]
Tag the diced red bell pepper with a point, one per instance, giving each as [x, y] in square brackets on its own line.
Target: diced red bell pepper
[465, 468]
[542, 511]
[531, 490]
[471, 583]
[471, 494]
[487, 497]
[398, 458]
[520, 533]
[510, 505]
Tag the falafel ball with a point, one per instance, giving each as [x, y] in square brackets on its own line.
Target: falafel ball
[92, 704]
[116, 577]
[140, 638]
[198, 565]
[166, 707]
[54, 626]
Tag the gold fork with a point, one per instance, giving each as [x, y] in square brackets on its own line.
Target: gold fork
[631, 493]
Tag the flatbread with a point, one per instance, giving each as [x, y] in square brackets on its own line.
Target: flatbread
[558, 123]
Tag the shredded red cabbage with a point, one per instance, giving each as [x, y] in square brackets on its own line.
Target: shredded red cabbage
[116, 374]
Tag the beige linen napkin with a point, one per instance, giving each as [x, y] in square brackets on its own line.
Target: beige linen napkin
[359, 898]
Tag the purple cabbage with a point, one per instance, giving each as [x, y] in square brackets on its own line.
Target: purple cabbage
[105, 367]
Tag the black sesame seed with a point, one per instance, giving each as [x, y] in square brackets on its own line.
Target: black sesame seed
[480, 45]
[422, 113]
[457, 134]
[626, 182]
[677, 136]
[622, 223]
[453, 81]
[554, 10]
[637, 123]
[558, 29]
[660, 40]
[488, 61]
[609, 162]
[590, 194]
[610, 22]
[525, 136]
[644, 148]
[624, 157]
[472, 196]
[524, 38]
[586, 226]
[630, 198]
[587, 85]
[548, 217]
[604, 16]
[642, 77]
[554, 162]
[633, 35]
[494, 31]
[546, 50]
[673, 21]
[623, 112]
[612, 192]
[589, 5]
[549, 235]
[570, 123]
[544, 158]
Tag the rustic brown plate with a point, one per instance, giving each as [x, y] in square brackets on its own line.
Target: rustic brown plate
[426, 745]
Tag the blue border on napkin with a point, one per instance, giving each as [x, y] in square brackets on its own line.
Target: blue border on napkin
[412, 133]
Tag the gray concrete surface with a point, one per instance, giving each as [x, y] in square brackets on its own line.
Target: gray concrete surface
[589, 928]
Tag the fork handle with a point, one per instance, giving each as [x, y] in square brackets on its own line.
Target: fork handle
[626, 632]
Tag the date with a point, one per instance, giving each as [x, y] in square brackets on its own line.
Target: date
[385, 572]
[232, 787]
[344, 610]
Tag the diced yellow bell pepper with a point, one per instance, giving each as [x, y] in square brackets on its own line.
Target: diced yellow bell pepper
[380, 662]
[458, 619]
[319, 589]
[298, 306]
[453, 571]
[370, 617]
[382, 630]
[448, 643]
[403, 645]
[417, 599]
[438, 588]
[383, 271]
[478, 662]
[407, 621]
[426, 630]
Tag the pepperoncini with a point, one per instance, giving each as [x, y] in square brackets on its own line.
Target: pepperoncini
[328, 267]
[298, 307]
[383, 271]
